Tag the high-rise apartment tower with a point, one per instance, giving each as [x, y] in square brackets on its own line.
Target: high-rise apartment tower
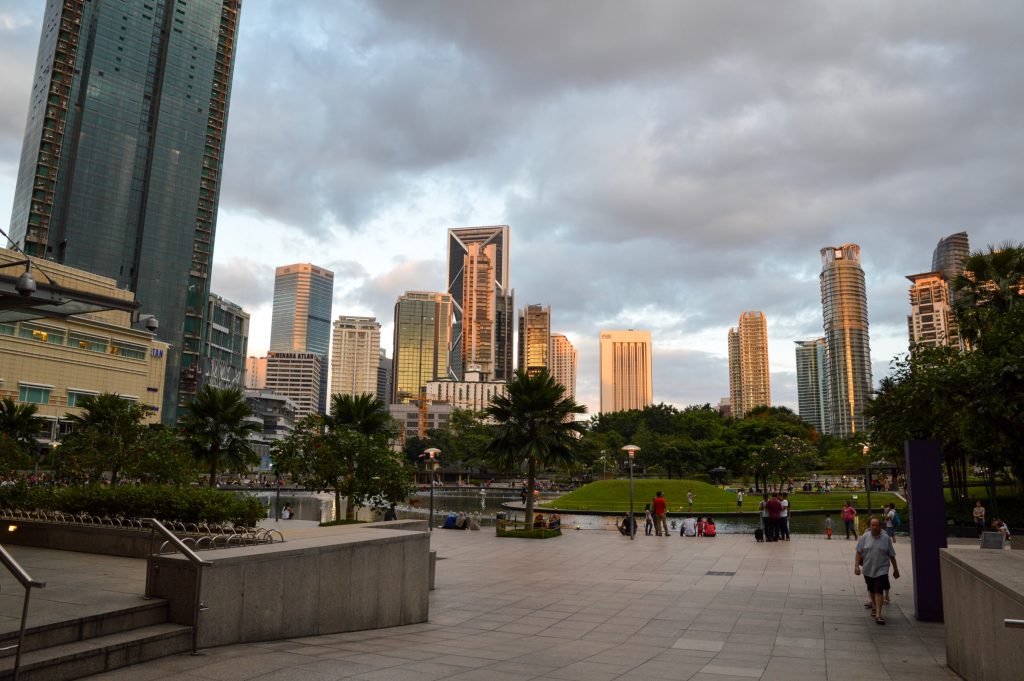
[423, 326]
[301, 320]
[811, 386]
[564, 363]
[931, 322]
[482, 302]
[355, 356]
[535, 338]
[626, 370]
[749, 382]
[950, 254]
[848, 352]
[121, 161]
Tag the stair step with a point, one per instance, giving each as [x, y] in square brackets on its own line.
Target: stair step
[145, 614]
[103, 653]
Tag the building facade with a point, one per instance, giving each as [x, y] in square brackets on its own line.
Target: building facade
[414, 421]
[564, 363]
[474, 393]
[931, 322]
[749, 380]
[297, 376]
[423, 327]
[54, 361]
[535, 338]
[811, 385]
[950, 254]
[384, 366]
[355, 356]
[626, 370]
[255, 373]
[276, 414]
[848, 351]
[301, 321]
[122, 156]
[225, 344]
[483, 305]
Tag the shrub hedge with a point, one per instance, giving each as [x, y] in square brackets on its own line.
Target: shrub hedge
[183, 504]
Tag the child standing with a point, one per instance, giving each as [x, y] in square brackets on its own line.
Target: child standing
[648, 520]
[828, 526]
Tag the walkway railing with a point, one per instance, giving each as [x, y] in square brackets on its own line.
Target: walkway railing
[28, 583]
[197, 562]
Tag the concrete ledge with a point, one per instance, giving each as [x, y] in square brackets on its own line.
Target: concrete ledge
[359, 577]
[102, 539]
[979, 590]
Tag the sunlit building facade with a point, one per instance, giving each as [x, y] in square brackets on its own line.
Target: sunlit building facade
[811, 385]
[483, 305]
[121, 160]
[474, 393]
[564, 363]
[749, 381]
[423, 327]
[301, 321]
[931, 322]
[848, 351]
[297, 376]
[626, 370]
[355, 356]
[255, 373]
[535, 338]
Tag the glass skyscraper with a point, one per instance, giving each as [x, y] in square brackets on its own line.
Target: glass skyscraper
[847, 349]
[301, 320]
[423, 324]
[811, 386]
[121, 162]
[535, 338]
[950, 254]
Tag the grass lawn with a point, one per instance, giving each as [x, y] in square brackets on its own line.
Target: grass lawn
[613, 495]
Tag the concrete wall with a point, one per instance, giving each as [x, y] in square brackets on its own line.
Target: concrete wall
[102, 539]
[356, 578]
[979, 590]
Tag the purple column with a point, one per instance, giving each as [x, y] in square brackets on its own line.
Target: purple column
[927, 524]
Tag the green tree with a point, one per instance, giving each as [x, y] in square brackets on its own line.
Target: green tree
[992, 285]
[534, 423]
[217, 424]
[362, 413]
[19, 432]
[164, 457]
[106, 435]
[782, 457]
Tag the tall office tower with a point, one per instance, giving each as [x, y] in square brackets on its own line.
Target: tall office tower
[482, 302]
[626, 370]
[355, 356]
[749, 383]
[297, 376]
[225, 344]
[535, 338]
[383, 377]
[301, 320]
[931, 322]
[844, 305]
[563, 363]
[423, 327]
[950, 254]
[811, 386]
[255, 373]
[121, 161]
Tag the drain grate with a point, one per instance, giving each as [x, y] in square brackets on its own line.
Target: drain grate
[714, 573]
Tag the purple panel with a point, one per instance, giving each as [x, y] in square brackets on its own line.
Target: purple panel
[927, 525]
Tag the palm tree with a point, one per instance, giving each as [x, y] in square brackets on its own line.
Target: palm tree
[992, 282]
[20, 423]
[534, 422]
[362, 413]
[106, 432]
[218, 426]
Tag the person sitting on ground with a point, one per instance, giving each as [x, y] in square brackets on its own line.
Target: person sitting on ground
[625, 525]
[539, 523]
[701, 522]
[460, 521]
[999, 526]
[555, 522]
[709, 527]
[449, 521]
[689, 527]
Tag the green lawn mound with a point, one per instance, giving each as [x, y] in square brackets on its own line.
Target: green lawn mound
[539, 533]
[613, 496]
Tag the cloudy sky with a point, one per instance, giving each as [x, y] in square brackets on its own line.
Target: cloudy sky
[662, 165]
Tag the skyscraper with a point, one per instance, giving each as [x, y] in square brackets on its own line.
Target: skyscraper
[121, 161]
[848, 353]
[950, 254]
[355, 356]
[811, 386]
[225, 344]
[298, 376]
[563, 363]
[626, 370]
[384, 377]
[535, 338]
[749, 383]
[423, 323]
[931, 322]
[482, 302]
[301, 320]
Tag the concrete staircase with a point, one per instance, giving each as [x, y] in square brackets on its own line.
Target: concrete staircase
[95, 643]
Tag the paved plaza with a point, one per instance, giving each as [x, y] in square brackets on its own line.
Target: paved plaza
[593, 606]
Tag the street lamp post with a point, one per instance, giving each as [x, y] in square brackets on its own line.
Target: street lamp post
[631, 450]
[431, 453]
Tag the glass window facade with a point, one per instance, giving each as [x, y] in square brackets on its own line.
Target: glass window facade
[33, 394]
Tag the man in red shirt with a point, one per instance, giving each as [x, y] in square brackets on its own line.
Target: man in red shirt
[774, 508]
[660, 514]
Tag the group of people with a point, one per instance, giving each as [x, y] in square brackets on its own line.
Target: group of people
[997, 525]
[774, 510]
[552, 522]
[656, 520]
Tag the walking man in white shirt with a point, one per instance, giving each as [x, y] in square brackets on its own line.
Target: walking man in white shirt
[874, 554]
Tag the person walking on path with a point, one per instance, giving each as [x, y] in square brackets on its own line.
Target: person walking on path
[739, 501]
[890, 522]
[648, 520]
[660, 515]
[849, 513]
[784, 517]
[875, 552]
[979, 516]
[689, 500]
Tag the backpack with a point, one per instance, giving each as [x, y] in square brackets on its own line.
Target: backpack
[895, 519]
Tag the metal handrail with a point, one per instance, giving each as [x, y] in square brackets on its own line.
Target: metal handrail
[28, 583]
[1014, 624]
[197, 562]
